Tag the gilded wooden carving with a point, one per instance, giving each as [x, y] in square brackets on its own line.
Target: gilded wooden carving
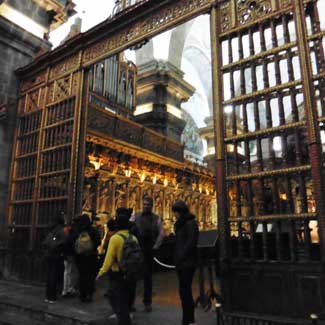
[248, 10]
[146, 27]
[225, 13]
[75, 83]
[32, 101]
[285, 3]
[65, 66]
[100, 123]
[62, 88]
[51, 87]
[34, 81]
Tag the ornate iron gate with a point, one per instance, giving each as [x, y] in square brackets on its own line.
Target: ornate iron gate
[268, 81]
[268, 65]
[43, 170]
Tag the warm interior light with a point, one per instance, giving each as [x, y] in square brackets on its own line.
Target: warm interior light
[283, 196]
[313, 225]
[142, 177]
[154, 180]
[96, 162]
[230, 148]
[128, 172]
[165, 182]
[22, 21]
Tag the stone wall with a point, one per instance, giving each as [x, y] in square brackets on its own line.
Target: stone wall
[31, 10]
[17, 48]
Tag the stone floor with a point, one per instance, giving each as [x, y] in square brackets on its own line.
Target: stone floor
[20, 303]
[23, 304]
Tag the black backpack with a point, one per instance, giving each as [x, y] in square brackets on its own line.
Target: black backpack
[131, 264]
[55, 242]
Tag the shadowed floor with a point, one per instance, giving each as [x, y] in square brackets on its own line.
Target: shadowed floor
[21, 303]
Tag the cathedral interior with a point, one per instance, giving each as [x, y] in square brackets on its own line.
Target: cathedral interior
[212, 110]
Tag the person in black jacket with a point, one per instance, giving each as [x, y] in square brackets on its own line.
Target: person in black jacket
[54, 246]
[185, 257]
[147, 227]
[86, 240]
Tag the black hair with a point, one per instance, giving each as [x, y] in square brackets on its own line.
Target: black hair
[122, 218]
[111, 225]
[148, 199]
[84, 221]
[181, 207]
[122, 222]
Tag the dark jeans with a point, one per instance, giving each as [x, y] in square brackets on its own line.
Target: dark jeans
[147, 278]
[185, 278]
[132, 292]
[54, 273]
[119, 298]
[87, 267]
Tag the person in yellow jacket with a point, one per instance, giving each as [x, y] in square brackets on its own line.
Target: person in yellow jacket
[119, 291]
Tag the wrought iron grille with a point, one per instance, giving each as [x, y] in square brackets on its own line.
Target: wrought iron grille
[272, 212]
[41, 171]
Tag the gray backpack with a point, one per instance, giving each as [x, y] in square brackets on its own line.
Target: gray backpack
[131, 264]
[84, 245]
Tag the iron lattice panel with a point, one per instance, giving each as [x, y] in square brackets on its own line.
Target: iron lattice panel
[271, 202]
[42, 168]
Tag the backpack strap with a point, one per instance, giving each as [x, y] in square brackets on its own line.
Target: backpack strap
[124, 237]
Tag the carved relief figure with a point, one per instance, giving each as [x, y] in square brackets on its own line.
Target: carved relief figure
[120, 200]
[158, 204]
[134, 199]
[88, 195]
[103, 198]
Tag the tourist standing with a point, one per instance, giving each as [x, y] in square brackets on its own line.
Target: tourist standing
[185, 256]
[54, 247]
[119, 284]
[149, 232]
[70, 281]
[86, 241]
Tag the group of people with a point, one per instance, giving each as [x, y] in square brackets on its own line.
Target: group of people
[131, 241]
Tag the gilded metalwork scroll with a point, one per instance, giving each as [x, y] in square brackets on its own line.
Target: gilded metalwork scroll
[166, 17]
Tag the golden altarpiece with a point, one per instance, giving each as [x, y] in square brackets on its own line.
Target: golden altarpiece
[72, 154]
